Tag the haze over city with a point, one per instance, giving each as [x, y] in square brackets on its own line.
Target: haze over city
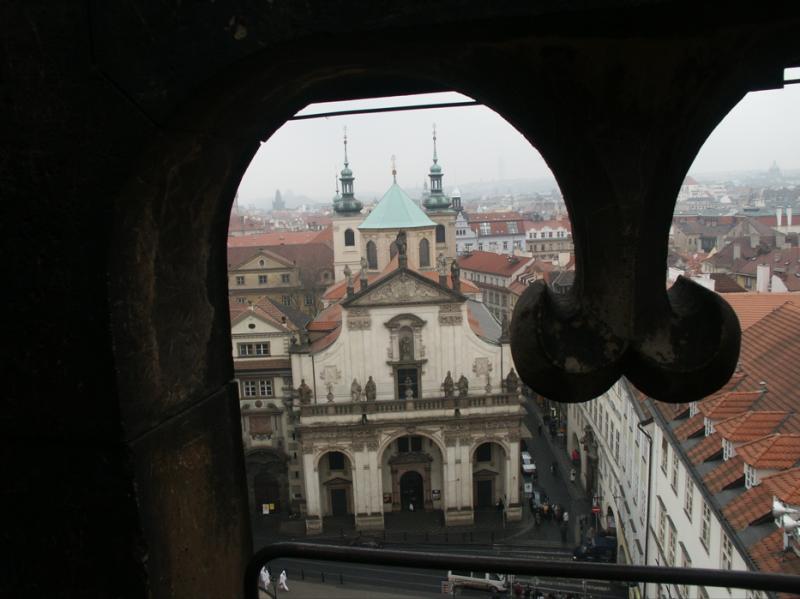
[476, 145]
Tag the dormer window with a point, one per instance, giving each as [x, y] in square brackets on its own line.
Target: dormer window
[693, 409]
[486, 228]
[728, 451]
[751, 477]
[708, 426]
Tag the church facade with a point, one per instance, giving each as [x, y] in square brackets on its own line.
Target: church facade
[406, 398]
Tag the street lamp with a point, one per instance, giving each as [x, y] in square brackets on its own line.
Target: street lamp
[782, 514]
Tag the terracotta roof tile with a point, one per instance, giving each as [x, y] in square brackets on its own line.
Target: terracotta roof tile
[724, 475]
[751, 506]
[750, 426]
[769, 556]
[690, 427]
[752, 307]
[706, 449]
[773, 452]
[503, 265]
[240, 365]
[732, 403]
[785, 485]
[265, 239]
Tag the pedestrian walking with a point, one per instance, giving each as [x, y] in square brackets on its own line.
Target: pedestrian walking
[282, 581]
[410, 506]
[572, 474]
[263, 578]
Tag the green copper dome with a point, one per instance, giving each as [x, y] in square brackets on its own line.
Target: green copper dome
[396, 211]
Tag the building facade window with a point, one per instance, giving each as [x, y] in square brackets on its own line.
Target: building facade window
[262, 349]
[727, 450]
[675, 471]
[686, 562]
[486, 228]
[688, 497]
[671, 543]
[483, 453]
[727, 553]
[308, 300]
[424, 253]
[336, 460]
[349, 238]
[750, 477]
[286, 300]
[257, 388]
[372, 255]
[285, 278]
[440, 234]
[664, 454]
[662, 523]
[705, 529]
[512, 228]
[240, 279]
[262, 279]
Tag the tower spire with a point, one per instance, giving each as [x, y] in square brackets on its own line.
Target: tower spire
[347, 202]
[436, 200]
[394, 169]
[345, 147]
[435, 157]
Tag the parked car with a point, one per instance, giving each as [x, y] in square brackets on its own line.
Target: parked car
[604, 549]
[487, 581]
[367, 542]
[527, 464]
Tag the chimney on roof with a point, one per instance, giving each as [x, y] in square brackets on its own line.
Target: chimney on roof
[778, 213]
[737, 251]
[762, 385]
[762, 278]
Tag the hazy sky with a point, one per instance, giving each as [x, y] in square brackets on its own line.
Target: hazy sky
[475, 144]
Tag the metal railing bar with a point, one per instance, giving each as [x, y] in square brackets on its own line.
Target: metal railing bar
[761, 581]
[320, 115]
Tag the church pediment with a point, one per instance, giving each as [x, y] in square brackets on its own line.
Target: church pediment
[403, 286]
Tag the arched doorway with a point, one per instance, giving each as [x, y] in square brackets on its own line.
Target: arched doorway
[268, 483]
[335, 473]
[266, 492]
[489, 475]
[412, 491]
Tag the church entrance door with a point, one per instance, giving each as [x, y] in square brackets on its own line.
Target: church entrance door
[339, 502]
[411, 491]
[485, 494]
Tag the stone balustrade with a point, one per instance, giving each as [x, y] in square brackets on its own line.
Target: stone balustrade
[425, 404]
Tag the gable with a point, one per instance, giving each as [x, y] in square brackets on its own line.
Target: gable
[403, 287]
[241, 324]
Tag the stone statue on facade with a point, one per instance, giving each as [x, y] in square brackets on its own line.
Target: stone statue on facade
[348, 274]
[512, 382]
[370, 390]
[455, 271]
[409, 384]
[463, 386]
[363, 265]
[448, 385]
[304, 392]
[441, 265]
[355, 391]
[406, 351]
[401, 244]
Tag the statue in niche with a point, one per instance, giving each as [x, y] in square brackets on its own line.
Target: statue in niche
[355, 391]
[441, 265]
[512, 382]
[370, 390]
[348, 274]
[463, 386]
[304, 392]
[401, 243]
[448, 385]
[406, 348]
[409, 384]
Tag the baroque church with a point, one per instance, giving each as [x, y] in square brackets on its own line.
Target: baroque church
[406, 398]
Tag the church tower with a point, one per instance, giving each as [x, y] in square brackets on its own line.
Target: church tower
[346, 218]
[437, 205]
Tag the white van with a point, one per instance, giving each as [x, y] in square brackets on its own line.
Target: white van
[480, 580]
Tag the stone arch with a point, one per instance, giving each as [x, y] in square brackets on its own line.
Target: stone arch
[489, 476]
[267, 475]
[341, 449]
[389, 440]
[336, 485]
[405, 464]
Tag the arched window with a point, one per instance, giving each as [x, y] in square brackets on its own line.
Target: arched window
[372, 255]
[349, 237]
[424, 253]
[440, 234]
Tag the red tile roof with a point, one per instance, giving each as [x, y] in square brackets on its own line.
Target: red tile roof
[778, 451]
[768, 554]
[280, 238]
[785, 485]
[750, 426]
[706, 449]
[749, 507]
[248, 364]
[263, 308]
[489, 217]
[503, 265]
[730, 404]
[238, 255]
[690, 427]
[725, 475]
[752, 307]
[538, 225]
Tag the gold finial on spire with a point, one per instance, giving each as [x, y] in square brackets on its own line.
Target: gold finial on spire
[435, 158]
[394, 169]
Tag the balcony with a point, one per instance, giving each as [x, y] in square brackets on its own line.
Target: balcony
[426, 407]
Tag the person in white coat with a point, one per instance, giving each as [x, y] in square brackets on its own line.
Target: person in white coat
[263, 579]
[282, 581]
